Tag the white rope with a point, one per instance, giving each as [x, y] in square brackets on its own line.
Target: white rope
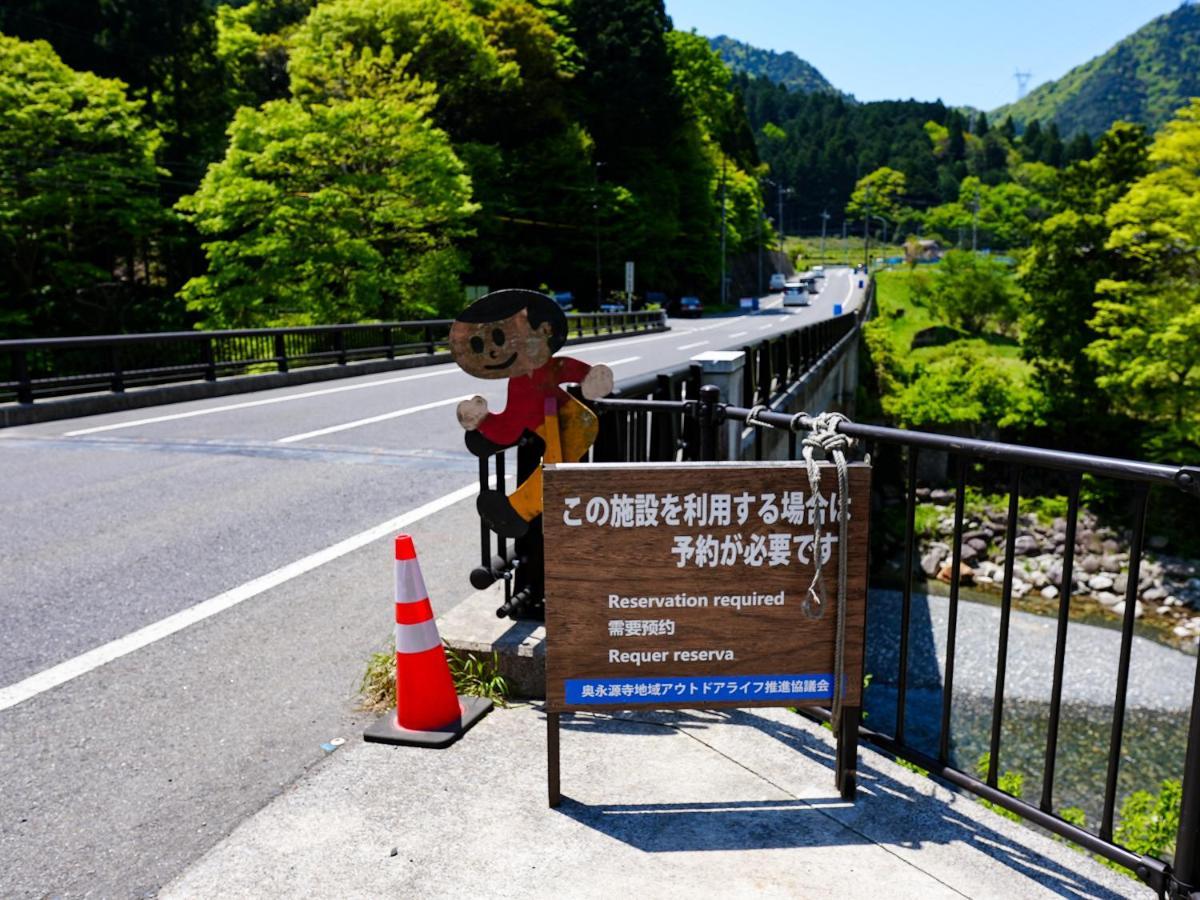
[826, 437]
[752, 417]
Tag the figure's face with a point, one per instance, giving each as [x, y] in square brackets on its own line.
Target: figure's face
[507, 348]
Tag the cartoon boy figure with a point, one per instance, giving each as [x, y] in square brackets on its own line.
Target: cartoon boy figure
[513, 334]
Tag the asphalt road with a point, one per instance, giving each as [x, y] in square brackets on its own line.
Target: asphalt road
[188, 595]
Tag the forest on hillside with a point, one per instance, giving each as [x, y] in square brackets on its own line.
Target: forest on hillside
[287, 161]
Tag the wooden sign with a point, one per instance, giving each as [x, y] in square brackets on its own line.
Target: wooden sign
[685, 585]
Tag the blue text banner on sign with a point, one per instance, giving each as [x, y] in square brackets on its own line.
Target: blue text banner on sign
[680, 689]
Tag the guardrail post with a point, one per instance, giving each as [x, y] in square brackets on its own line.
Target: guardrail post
[21, 374]
[391, 342]
[281, 362]
[118, 381]
[429, 339]
[339, 344]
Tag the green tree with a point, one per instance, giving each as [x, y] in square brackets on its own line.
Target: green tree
[78, 198]
[438, 41]
[972, 291]
[1148, 323]
[651, 152]
[252, 47]
[1067, 256]
[881, 193]
[164, 52]
[332, 212]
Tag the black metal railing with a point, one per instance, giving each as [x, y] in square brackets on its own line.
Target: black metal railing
[1013, 466]
[54, 367]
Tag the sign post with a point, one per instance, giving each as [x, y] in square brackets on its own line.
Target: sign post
[629, 286]
[675, 586]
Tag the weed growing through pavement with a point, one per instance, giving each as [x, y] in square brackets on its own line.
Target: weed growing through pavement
[472, 676]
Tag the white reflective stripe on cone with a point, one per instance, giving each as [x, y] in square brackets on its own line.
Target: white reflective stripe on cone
[410, 585]
[417, 638]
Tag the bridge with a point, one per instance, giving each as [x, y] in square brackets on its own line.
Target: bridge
[192, 587]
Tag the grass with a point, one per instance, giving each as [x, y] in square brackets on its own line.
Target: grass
[806, 250]
[473, 676]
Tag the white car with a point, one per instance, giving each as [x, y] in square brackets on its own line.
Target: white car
[778, 281]
[795, 294]
[818, 271]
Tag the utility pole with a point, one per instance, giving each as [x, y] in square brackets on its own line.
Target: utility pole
[824, 222]
[596, 227]
[779, 193]
[760, 247]
[975, 223]
[724, 287]
[867, 235]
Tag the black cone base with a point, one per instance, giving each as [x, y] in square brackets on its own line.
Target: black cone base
[388, 731]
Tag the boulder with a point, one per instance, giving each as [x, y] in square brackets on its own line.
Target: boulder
[1138, 610]
[1050, 592]
[1121, 583]
[978, 544]
[1154, 594]
[1110, 563]
[965, 572]
[1090, 564]
[1100, 583]
[933, 558]
[1026, 544]
[1108, 598]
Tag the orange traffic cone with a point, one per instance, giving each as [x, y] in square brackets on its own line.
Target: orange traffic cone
[428, 711]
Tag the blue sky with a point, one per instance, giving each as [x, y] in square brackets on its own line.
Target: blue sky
[964, 52]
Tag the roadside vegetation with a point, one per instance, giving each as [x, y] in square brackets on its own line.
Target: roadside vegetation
[474, 676]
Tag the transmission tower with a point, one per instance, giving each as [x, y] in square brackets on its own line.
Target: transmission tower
[1022, 82]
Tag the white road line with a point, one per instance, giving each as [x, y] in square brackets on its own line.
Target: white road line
[765, 327]
[738, 334]
[346, 426]
[690, 346]
[80, 665]
[251, 403]
[621, 362]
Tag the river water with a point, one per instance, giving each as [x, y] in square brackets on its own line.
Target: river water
[1159, 697]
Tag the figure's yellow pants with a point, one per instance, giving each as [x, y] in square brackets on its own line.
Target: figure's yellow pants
[568, 432]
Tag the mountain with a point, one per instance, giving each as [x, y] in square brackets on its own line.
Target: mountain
[1144, 79]
[782, 68]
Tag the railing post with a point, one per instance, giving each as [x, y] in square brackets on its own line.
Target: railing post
[339, 344]
[21, 374]
[391, 342]
[709, 420]
[118, 381]
[429, 339]
[281, 362]
[1187, 840]
[210, 361]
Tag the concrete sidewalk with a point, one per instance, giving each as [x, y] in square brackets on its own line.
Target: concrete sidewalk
[680, 804]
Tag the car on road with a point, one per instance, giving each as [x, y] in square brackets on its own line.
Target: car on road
[818, 271]
[778, 281]
[795, 294]
[689, 308]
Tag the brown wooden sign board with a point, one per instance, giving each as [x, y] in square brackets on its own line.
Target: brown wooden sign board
[683, 586]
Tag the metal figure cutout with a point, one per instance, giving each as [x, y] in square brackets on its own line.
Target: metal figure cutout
[514, 334]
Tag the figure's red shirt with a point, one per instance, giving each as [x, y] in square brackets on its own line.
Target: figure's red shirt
[525, 408]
